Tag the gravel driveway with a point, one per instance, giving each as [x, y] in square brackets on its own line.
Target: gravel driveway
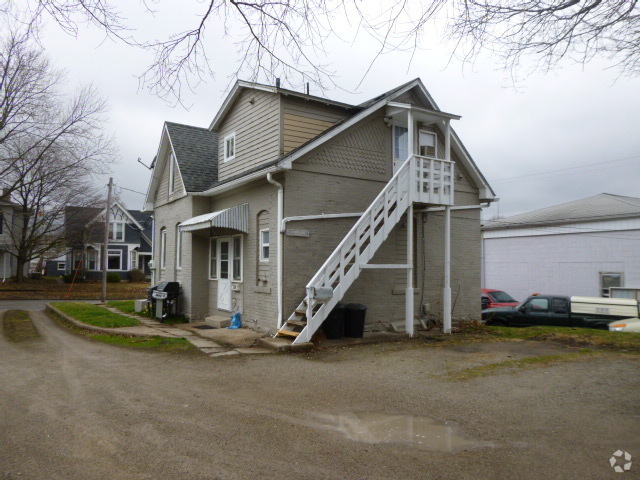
[74, 409]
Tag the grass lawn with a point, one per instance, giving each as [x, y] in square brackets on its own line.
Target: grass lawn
[17, 326]
[95, 315]
[128, 306]
[161, 344]
[589, 337]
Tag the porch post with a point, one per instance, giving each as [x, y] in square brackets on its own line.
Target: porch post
[446, 300]
[409, 289]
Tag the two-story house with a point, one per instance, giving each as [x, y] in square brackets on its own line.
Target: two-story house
[129, 245]
[9, 225]
[289, 203]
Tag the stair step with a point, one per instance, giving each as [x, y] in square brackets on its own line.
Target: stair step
[289, 333]
[297, 323]
[301, 312]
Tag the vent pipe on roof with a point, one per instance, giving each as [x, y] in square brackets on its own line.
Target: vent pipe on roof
[277, 83]
[307, 88]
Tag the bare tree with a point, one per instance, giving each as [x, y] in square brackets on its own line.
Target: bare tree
[287, 37]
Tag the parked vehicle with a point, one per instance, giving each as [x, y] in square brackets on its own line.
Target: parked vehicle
[496, 298]
[557, 310]
[626, 325]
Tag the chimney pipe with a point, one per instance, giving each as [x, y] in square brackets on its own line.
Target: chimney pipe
[277, 83]
[307, 88]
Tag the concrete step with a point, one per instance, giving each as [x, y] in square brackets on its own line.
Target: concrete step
[283, 344]
[399, 326]
[218, 321]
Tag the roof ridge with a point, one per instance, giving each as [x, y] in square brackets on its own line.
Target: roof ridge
[186, 125]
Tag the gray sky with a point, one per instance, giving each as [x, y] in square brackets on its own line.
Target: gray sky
[558, 137]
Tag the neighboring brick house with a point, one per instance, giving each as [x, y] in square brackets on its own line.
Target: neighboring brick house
[129, 242]
[582, 247]
[9, 212]
[248, 210]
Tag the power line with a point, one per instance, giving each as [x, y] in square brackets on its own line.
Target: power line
[578, 167]
[129, 190]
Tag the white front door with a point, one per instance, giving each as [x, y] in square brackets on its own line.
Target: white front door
[224, 278]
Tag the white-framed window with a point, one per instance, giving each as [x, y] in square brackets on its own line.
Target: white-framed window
[116, 231]
[92, 259]
[427, 144]
[133, 260]
[213, 258]
[237, 259]
[608, 280]
[232, 251]
[114, 260]
[172, 173]
[62, 265]
[230, 147]
[163, 247]
[400, 143]
[264, 245]
[178, 247]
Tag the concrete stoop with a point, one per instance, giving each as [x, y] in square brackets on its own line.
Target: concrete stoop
[283, 344]
[399, 326]
[217, 321]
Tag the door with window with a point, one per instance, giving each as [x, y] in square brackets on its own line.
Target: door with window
[224, 274]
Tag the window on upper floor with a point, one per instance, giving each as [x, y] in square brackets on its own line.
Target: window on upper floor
[116, 231]
[427, 144]
[230, 147]
[172, 173]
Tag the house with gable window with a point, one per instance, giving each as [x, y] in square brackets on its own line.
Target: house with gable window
[129, 245]
[288, 203]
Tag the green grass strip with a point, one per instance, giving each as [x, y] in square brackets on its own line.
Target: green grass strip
[125, 306]
[95, 315]
[18, 327]
[158, 343]
[486, 370]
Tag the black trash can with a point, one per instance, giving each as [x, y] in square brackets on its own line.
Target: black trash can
[354, 320]
[333, 326]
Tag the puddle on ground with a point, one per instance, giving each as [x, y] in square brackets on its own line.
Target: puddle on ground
[416, 431]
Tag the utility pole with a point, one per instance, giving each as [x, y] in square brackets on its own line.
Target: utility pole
[105, 256]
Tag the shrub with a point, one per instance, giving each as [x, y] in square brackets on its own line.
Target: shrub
[137, 275]
[113, 277]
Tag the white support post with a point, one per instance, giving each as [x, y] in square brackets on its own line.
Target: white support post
[410, 134]
[446, 300]
[409, 291]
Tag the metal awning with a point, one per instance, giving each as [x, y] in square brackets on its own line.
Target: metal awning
[236, 218]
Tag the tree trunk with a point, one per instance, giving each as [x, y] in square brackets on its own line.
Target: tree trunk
[21, 262]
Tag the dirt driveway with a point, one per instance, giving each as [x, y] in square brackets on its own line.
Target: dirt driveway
[74, 409]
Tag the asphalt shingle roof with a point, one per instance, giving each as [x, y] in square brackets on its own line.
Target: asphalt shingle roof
[602, 206]
[196, 150]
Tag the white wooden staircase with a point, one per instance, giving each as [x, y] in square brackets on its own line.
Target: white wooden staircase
[423, 180]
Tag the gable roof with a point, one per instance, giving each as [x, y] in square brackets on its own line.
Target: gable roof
[603, 206]
[196, 151]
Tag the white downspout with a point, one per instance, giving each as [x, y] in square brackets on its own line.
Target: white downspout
[409, 289]
[446, 294]
[280, 244]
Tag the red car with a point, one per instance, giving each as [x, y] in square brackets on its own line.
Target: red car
[497, 298]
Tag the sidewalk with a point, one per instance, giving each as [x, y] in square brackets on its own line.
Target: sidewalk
[230, 342]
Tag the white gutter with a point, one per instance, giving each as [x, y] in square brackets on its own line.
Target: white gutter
[461, 207]
[322, 216]
[280, 244]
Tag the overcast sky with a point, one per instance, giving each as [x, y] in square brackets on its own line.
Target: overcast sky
[558, 137]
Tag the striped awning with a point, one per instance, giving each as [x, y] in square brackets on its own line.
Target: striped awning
[236, 218]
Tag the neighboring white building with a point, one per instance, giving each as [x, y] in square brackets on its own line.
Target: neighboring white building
[576, 248]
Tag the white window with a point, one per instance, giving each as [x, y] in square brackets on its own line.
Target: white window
[264, 245]
[427, 144]
[400, 143]
[230, 147]
[608, 280]
[172, 173]
[114, 260]
[178, 247]
[116, 231]
[237, 259]
[213, 258]
[62, 265]
[134, 260]
[92, 259]
[163, 248]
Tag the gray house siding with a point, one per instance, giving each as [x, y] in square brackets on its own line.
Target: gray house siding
[255, 119]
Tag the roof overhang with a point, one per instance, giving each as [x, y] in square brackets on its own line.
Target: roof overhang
[235, 218]
[420, 114]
